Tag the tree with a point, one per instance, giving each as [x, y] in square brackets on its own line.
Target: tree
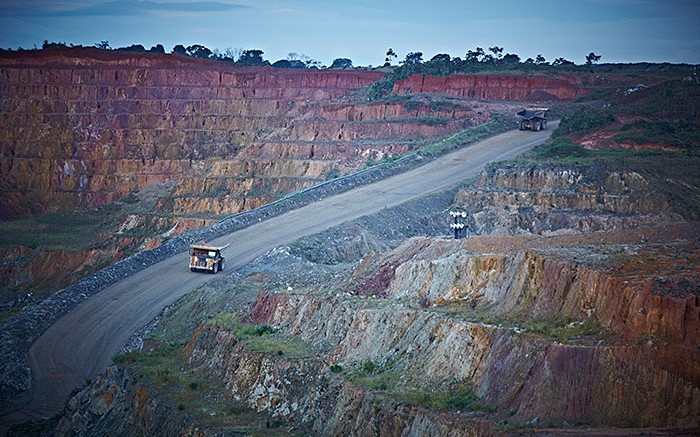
[341, 63]
[440, 57]
[133, 48]
[180, 49]
[251, 57]
[540, 60]
[474, 56]
[285, 63]
[413, 58]
[104, 45]
[234, 54]
[52, 45]
[562, 62]
[390, 54]
[305, 60]
[198, 51]
[592, 58]
[158, 48]
[497, 52]
[228, 55]
[511, 58]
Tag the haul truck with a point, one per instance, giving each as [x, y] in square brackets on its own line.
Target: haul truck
[533, 119]
[205, 258]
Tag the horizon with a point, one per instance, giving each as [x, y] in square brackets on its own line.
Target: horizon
[620, 31]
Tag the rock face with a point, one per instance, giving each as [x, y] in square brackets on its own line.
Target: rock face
[495, 87]
[642, 373]
[117, 404]
[83, 128]
[568, 198]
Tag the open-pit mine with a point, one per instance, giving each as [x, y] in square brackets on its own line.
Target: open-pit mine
[570, 307]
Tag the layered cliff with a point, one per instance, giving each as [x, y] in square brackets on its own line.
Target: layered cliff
[83, 128]
[568, 198]
[498, 87]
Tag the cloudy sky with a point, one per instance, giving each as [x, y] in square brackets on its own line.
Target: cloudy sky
[363, 30]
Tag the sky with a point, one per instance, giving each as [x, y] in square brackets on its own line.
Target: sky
[620, 31]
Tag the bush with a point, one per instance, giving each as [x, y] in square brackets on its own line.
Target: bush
[560, 148]
[680, 134]
[332, 174]
[583, 121]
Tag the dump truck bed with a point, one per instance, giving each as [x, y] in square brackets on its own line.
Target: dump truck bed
[530, 113]
[207, 248]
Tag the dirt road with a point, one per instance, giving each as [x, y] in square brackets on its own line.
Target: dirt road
[80, 344]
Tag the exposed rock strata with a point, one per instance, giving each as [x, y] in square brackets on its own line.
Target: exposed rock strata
[85, 129]
[564, 199]
[647, 374]
[494, 87]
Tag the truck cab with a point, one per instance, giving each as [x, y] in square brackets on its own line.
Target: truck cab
[204, 258]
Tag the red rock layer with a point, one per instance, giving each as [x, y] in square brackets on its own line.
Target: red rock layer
[496, 87]
[85, 127]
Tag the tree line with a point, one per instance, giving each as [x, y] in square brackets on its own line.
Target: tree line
[474, 60]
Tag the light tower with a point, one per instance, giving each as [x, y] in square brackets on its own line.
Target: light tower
[459, 226]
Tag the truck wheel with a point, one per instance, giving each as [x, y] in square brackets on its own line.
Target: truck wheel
[522, 125]
[544, 124]
[192, 269]
[536, 126]
[221, 266]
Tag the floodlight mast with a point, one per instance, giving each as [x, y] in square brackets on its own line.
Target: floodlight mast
[459, 226]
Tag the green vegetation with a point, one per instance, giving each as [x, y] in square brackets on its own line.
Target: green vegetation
[333, 173]
[662, 116]
[375, 375]
[205, 398]
[68, 230]
[681, 134]
[563, 330]
[386, 376]
[582, 121]
[458, 398]
[6, 314]
[262, 338]
[463, 137]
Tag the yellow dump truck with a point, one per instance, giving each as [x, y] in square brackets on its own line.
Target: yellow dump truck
[532, 119]
[204, 258]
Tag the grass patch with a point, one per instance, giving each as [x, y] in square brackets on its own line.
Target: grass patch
[386, 375]
[563, 330]
[563, 150]
[262, 338]
[682, 134]
[333, 173]
[457, 398]
[6, 314]
[69, 230]
[463, 137]
[584, 120]
[374, 375]
[202, 397]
